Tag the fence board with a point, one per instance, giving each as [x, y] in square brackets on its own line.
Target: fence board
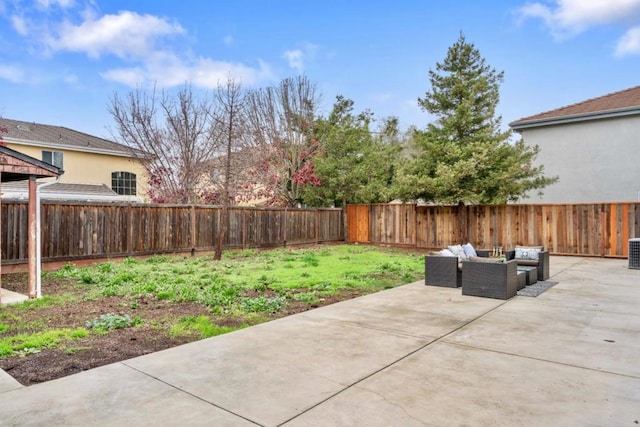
[73, 230]
[572, 229]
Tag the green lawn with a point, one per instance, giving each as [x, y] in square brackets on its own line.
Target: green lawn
[244, 288]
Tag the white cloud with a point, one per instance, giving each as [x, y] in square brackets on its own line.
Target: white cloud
[12, 73]
[144, 48]
[131, 77]
[295, 59]
[64, 4]
[19, 24]
[125, 35]
[298, 58]
[167, 70]
[629, 44]
[566, 18]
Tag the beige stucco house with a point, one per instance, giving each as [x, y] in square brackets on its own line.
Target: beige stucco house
[592, 146]
[94, 168]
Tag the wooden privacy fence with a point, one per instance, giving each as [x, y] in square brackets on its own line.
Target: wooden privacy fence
[599, 229]
[73, 230]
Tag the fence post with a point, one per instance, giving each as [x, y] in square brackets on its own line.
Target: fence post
[193, 228]
[244, 228]
[284, 226]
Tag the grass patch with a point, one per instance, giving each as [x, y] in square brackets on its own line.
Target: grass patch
[23, 344]
[200, 326]
[250, 285]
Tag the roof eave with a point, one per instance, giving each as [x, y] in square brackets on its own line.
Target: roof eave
[68, 147]
[549, 121]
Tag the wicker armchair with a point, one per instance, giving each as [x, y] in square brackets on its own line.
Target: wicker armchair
[490, 280]
[445, 271]
[442, 271]
[542, 263]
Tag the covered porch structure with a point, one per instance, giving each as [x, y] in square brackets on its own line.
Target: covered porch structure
[15, 166]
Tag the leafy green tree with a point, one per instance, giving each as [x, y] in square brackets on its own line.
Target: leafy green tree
[352, 165]
[463, 156]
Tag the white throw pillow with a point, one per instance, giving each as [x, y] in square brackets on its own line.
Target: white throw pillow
[469, 250]
[523, 252]
[446, 252]
[459, 252]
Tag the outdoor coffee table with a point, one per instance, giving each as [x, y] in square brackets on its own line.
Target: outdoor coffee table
[530, 273]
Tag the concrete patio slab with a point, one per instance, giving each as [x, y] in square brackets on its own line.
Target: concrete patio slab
[10, 297]
[272, 372]
[590, 339]
[404, 310]
[447, 384]
[413, 355]
[7, 382]
[113, 395]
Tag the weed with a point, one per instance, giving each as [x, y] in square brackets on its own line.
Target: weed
[246, 253]
[200, 325]
[157, 259]
[32, 304]
[26, 351]
[112, 321]
[263, 304]
[4, 328]
[107, 267]
[310, 259]
[73, 350]
[309, 298]
[260, 287]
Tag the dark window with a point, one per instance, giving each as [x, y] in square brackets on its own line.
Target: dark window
[53, 158]
[124, 183]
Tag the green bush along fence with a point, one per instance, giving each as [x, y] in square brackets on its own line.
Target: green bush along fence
[599, 229]
[72, 230]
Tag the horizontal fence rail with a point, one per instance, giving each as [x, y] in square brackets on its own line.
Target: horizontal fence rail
[78, 230]
[599, 229]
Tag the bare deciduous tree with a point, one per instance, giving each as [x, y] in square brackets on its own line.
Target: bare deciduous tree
[280, 120]
[173, 136]
[229, 118]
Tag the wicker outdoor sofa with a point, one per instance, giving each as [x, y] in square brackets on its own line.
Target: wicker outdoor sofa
[445, 271]
[481, 276]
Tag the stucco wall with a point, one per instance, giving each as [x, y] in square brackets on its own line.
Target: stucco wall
[90, 168]
[596, 161]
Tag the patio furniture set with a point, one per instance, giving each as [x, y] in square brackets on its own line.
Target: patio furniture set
[484, 273]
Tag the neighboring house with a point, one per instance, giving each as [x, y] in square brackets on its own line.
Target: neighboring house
[247, 181]
[94, 168]
[593, 147]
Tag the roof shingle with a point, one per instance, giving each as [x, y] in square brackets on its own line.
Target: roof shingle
[60, 136]
[621, 100]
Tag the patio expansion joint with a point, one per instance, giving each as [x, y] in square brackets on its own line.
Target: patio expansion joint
[400, 359]
[506, 353]
[386, 330]
[195, 396]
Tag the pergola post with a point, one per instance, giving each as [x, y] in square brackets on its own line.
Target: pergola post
[33, 268]
[0, 240]
[16, 166]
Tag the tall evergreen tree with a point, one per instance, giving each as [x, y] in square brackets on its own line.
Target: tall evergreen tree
[464, 156]
[352, 165]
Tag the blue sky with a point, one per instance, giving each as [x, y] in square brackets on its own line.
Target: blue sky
[62, 60]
